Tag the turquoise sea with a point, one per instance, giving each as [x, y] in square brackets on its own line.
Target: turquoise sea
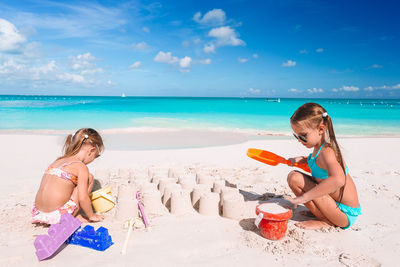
[350, 116]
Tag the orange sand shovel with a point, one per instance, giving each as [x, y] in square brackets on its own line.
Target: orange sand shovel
[273, 159]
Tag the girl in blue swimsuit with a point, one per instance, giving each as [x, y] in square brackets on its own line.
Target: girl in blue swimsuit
[329, 193]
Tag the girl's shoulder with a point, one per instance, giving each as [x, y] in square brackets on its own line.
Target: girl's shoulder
[68, 163]
[327, 153]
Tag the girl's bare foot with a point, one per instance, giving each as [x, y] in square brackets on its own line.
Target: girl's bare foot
[82, 219]
[313, 224]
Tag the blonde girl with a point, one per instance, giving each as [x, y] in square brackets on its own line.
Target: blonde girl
[66, 184]
[329, 192]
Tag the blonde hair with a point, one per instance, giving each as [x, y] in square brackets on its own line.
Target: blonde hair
[312, 115]
[74, 142]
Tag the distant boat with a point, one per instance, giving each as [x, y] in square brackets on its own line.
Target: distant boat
[123, 95]
[273, 100]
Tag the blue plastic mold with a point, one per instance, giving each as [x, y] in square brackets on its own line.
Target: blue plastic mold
[88, 237]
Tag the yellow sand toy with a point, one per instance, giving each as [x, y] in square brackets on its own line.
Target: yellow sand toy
[102, 199]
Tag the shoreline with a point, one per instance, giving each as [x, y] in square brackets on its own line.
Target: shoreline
[146, 130]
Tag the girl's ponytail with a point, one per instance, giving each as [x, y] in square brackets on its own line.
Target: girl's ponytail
[335, 146]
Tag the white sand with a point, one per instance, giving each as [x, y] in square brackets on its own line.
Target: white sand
[272, 208]
[206, 240]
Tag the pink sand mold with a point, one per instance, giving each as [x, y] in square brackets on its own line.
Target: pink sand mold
[47, 245]
[139, 200]
[87, 237]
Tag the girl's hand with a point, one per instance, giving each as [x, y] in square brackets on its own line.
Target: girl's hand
[96, 218]
[295, 201]
[294, 160]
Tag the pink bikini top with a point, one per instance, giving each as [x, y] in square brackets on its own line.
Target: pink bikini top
[63, 174]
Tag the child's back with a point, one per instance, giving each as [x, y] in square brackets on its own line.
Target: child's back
[66, 184]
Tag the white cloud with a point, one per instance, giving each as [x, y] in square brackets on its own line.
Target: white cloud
[254, 91]
[142, 46]
[384, 87]
[92, 71]
[289, 63]
[135, 65]
[71, 77]
[349, 88]
[205, 61]
[78, 20]
[10, 37]
[185, 43]
[226, 36]
[10, 67]
[255, 56]
[212, 17]
[293, 90]
[146, 29]
[319, 50]
[375, 66]
[197, 41]
[166, 57]
[297, 27]
[185, 62]
[49, 67]
[83, 61]
[304, 51]
[163, 57]
[209, 48]
[242, 60]
[315, 90]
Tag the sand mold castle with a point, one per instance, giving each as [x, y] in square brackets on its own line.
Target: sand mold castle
[171, 191]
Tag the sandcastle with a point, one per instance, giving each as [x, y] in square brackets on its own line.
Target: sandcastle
[173, 191]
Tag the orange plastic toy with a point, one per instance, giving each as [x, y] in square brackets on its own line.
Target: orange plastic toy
[273, 159]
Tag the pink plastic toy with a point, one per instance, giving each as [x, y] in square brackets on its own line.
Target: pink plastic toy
[47, 245]
[139, 201]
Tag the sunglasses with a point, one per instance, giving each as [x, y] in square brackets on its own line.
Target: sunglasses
[302, 138]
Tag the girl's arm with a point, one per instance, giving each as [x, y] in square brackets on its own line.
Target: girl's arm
[335, 180]
[83, 196]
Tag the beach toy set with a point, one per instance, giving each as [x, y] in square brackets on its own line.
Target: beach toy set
[67, 232]
[272, 220]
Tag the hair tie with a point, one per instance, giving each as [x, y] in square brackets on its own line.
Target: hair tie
[325, 114]
[86, 136]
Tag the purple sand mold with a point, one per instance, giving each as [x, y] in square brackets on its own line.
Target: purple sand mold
[46, 245]
[88, 237]
[138, 197]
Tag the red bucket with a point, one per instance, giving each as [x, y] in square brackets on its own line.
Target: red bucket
[273, 226]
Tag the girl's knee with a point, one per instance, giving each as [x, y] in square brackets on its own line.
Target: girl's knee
[294, 178]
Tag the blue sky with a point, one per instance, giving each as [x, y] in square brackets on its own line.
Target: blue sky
[236, 48]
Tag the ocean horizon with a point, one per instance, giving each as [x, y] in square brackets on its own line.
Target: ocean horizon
[351, 117]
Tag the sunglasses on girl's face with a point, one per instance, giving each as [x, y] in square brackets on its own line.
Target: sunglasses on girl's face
[302, 138]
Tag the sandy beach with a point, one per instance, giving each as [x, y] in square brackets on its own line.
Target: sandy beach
[197, 240]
